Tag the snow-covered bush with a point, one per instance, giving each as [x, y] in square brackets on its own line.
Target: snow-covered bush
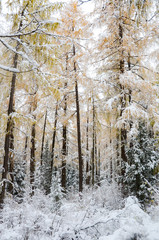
[77, 220]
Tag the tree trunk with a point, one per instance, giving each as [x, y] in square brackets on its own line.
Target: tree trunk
[53, 139]
[123, 103]
[32, 159]
[33, 149]
[80, 159]
[9, 137]
[25, 148]
[87, 152]
[43, 138]
[129, 68]
[111, 160]
[64, 146]
[99, 166]
[96, 156]
[93, 144]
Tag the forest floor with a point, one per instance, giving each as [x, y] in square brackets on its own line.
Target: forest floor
[100, 214]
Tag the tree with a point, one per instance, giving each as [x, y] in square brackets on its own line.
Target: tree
[56, 191]
[19, 180]
[46, 170]
[33, 143]
[74, 27]
[139, 177]
[121, 66]
[43, 137]
[64, 135]
[25, 20]
[9, 137]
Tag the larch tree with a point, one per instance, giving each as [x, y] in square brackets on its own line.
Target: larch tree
[121, 63]
[74, 27]
[26, 21]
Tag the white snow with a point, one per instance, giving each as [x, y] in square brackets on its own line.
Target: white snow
[95, 216]
[9, 69]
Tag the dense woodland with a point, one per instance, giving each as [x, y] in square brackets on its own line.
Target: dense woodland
[79, 101]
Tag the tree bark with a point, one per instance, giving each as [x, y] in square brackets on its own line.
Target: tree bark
[33, 149]
[32, 159]
[80, 159]
[87, 152]
[123, 131]
[9, 137]
[96, 156]
[25, 148]
[64, 145]
[99, 166]
[93, 145]
[43, 138]
[53, 139]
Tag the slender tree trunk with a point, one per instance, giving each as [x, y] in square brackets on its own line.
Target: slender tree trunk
[53, 139]
[25, 154]
[118, 164]
[64, 146]
[25, 148]
[111, 159]
[99, 165]
[33, 149]
[9, 137]
[43, 138]
[11, 158]
[32, 159]
[96, 156]
[93, 145]
[129, 68]
[80, 159]
[79, 141]
[123, 103]
[87, 152]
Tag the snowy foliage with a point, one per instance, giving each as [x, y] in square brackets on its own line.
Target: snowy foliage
[19, 180]
[46, 174]
[56, 194]
[140, 169]
[79, 218]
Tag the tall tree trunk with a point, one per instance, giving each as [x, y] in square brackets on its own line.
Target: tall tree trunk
[87, 151]
[53, 139]
[64, 146]
[118, 163]
[80, 159]
[99, 165]
[43, 138]
[111, 159]
[122, 102]
[9, 137]
[11, 158]
[129, 68]
[93, 145]
[32, 159]
[25, 154]
[96, 156]
[25, 148]
[33, 149]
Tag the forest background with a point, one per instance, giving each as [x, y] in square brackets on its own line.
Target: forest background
[79, 98]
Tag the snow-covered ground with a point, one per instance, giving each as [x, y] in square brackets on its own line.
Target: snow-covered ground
[99, 214]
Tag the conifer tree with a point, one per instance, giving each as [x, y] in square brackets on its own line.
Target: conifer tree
[57, 192]
[142, 159]
[19, 180]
